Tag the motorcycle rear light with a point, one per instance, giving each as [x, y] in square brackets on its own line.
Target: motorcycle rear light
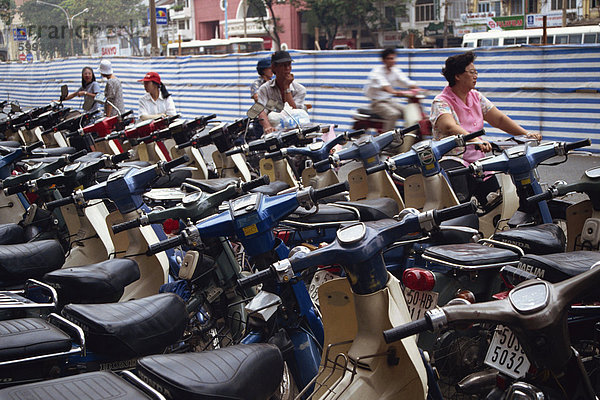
[500, 296]
[418, 279]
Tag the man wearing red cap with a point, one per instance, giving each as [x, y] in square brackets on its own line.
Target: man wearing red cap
[157, 102]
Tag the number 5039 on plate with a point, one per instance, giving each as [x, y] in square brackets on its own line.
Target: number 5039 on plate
[506, 354]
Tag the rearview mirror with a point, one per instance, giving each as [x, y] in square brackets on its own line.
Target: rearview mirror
[255, 110]
[64, 92]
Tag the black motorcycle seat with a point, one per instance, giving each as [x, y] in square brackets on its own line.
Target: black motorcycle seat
[272, 188]
[133, 328]
[52, 152]
[29, 337]
[174, 179]
[538, 239]
[374, 209]
[325, 213]
[11, 234]
[369, 113]
[241, 372]
[470, 256]
[98, 385]
[9, 143]
[451, 236]
[19, 262]
[211, 185]
[103, 282]
[560, 266]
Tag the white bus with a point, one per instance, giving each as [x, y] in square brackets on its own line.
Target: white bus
[589, 34]
[216, 46]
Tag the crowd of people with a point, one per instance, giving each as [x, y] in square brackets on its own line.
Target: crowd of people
[458, 109]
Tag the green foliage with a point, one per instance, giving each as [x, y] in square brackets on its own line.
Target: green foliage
[7, 11]
[49, 24]
[273, 25]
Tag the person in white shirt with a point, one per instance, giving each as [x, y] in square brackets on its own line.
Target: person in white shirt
[380, 88]
[157, 102]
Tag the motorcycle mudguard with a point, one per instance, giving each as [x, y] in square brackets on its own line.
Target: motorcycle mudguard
[307, 357]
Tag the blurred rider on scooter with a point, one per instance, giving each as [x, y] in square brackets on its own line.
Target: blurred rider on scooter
[380, 88]
[283, 89]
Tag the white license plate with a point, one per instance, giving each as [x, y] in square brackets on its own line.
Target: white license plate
[419, 302]
[506, 354]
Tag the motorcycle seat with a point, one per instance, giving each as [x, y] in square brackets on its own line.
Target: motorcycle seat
[11, 234]
[368, 113]
[52, 152]
[470, 256]
[451, 236]
[271, 189]
[103, 282]
[172, 180]
[22, 261]
[539, 239]
[250, 372]
[9, 143]
[98, 385]
[325, 213]
[133, 328]
[374, 209]
[104, 173]
[211, 185]
[30, 337]
[560, 266]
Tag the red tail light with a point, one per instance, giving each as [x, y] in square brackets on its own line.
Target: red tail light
[418, 279]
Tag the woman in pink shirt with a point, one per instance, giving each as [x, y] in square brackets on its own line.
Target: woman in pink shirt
[460, 109]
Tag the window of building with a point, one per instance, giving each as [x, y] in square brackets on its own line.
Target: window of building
[589, 38]
[521, 40]
[181, 25]
[390, 17]
[488, 42]
[456, 8]
[595, 4]
[575, 38]
[561, 39]
[558, 4]
[424, 11]
[516, 7]
[509, 41]
[483, 7]
[535, 40]
[532, 6]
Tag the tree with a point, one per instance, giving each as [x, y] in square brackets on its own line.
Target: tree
[7, 10]
[48, 25]
[256, 7]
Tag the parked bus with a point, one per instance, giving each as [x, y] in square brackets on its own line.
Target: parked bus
[589, 34]
[216, 46]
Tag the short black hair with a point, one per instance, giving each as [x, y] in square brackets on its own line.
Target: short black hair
[387, 51]
[456, 65]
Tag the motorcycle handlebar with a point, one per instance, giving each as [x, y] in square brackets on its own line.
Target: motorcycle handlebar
[233, 151]
[117, 158]
[123, 226]
[126, 114]
[547, 195]
[60, 202]
[15, 189]
[355, 133]
[253, 184]
[322, 163]
[458, 171]
[256, 279]
[460, 210]
[330, 190]
[75, 156]
[274, 154]
[578, 144]
[31, 147]
[311, 130]
[176, 162]
[473, 135]
[406, 330]
[165, 245]
[377, 168]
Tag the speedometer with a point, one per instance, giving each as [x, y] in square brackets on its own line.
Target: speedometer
[530, 298]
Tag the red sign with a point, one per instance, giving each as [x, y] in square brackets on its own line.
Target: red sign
[22, 57]
[268, 43]
[110, 50]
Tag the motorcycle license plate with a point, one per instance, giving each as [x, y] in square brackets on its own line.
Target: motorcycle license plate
[419, 302]
[506, 354]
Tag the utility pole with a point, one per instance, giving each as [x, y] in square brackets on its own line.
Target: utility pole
[445, 23]
[564, 13]
[154, 52]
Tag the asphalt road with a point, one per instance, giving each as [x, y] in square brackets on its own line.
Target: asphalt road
[570, 171]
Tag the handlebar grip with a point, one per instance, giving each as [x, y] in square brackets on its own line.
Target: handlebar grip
[440, 216]
[33, 146]
[253, 184]
[73, 157]
[209, 117]
[165, 245]
[406, 330]
[322, 163]
[256, 279]
[458, 171]
[176, 162]
[577, 144]
[377, 168]
[233, 151]
[184, 145]
[117, 158]
[473, 135]
[411, 128]
[123, 226]
[15, 189]
[100, 139]
[274, 154]
[311, 130]
[330, 190]
[69, 135]
[355, 133]
[60, 202]
[532, 200]
[126, 114]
